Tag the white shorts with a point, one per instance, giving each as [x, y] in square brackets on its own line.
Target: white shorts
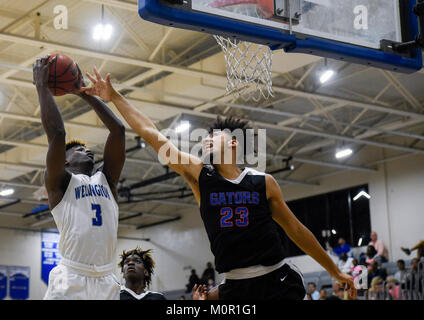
[66, 283]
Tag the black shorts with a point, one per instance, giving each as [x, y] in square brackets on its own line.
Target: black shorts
[281, 284]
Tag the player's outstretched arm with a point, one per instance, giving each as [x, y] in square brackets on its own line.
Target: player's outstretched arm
[183, 163]
[301, 236]
[114, 152]
[56, 177]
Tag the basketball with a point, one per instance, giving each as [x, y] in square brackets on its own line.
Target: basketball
[64, 75]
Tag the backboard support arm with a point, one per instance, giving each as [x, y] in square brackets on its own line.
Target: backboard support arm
[404, 48]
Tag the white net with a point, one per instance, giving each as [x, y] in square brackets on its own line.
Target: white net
[248, 65]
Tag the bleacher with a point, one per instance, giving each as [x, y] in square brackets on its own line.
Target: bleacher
[412, 291]
[322, 279]
[176, 294]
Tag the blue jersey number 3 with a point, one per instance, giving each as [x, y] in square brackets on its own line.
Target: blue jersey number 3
[97, 221]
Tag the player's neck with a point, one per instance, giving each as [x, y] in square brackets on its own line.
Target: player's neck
[137, 287]
[228, 171]
[80, 170]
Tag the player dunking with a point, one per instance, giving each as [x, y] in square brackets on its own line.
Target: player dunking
[238, 208]
[83, 204]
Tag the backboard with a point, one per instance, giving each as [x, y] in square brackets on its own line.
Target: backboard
[349, 30]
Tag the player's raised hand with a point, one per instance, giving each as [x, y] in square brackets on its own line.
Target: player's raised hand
[199, 293]
[100, 87]
[40, 71]
[348, 283]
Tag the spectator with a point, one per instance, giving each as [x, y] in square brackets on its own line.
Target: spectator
[392, 287]
[308, 297]
[182, 298]
[194, 279]
[370, 255]
[343, 247]
[400, 275]
[338, 292]
[209, 273]
[376, 291]
[137, 267]
[312, 290]
[322, 294]
[376, 271]
[382, 253]
[413, 279]
[362, 259]
[345, 263]
[211, 284]
[354, 265]
[420, 250]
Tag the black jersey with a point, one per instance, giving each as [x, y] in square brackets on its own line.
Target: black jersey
[238, 220]
[128, 294]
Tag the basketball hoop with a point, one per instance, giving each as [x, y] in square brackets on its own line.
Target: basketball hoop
[248, 65]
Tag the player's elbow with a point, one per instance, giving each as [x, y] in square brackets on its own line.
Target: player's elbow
[120, 129]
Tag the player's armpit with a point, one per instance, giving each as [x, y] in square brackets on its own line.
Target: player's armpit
[279, 209]
[295, 230]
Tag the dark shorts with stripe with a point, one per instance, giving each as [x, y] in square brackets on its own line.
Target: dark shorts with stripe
[282, 284]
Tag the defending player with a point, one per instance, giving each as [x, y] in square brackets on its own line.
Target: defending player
[84, 205]
[237, 207]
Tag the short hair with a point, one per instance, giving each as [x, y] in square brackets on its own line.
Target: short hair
[371, 250]
[313, 283]
[74, 143]
[229, 123]
[145, 256]
[401, 261]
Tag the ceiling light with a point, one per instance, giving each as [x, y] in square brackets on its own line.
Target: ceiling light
[360, 242]
[182, 127]
[6, 192]
[344, 153]
[362, 194]
[102, 32]
[326, 75]
[333, 231]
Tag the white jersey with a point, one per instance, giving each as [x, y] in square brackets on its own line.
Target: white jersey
[87, 220]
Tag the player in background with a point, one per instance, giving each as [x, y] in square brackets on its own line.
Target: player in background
[237, 207]
[83, 203]
[137, 267]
